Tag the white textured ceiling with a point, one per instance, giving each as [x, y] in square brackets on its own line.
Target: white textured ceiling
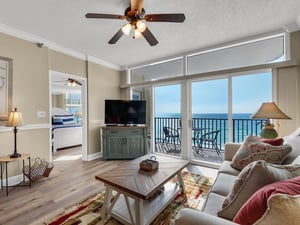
[208, 23]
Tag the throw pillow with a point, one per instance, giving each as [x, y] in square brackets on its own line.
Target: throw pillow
[256, 205]
[254, 176]
[252, 150]
[274, 142]
[282, 209]
[62, 119]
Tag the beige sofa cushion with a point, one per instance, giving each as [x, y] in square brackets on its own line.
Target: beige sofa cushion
[228, 169]
[213, 203]
[219, 186]
[190, 216]
[254, 176]
[282, 209]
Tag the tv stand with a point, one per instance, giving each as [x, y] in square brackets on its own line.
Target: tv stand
[123, 142]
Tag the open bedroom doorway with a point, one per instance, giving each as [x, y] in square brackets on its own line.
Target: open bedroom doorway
[68, 107]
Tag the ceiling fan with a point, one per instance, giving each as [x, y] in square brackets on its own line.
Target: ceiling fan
[135, 14]
[71, 82]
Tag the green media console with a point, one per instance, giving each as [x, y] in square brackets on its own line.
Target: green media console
[124, 142]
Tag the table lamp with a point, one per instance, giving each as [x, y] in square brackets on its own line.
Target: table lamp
[15, 120]
[269, 110]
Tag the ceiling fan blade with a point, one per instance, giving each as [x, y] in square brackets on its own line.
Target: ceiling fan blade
[116, 37]
[149, 37]
[103, 16]
[171, 17]
[137, 5]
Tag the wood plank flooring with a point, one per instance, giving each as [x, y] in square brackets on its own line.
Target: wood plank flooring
[71, 181]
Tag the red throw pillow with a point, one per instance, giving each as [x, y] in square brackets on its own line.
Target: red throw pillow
[256, 205]
[274, 142]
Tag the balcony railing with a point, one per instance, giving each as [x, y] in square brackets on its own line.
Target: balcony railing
[240, 127]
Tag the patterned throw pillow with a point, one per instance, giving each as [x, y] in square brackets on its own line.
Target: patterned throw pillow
[275, 142]
[252, 150]
[254, 176]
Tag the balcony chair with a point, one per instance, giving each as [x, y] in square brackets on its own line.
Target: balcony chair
[208, 139]
[171, 136]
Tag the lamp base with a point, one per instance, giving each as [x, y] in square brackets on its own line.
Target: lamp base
[15, 155]
[268, 132]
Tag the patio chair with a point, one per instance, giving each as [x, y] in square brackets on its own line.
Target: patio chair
[171, 136]
[208, 139]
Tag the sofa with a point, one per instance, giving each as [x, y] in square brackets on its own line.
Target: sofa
[231, 184]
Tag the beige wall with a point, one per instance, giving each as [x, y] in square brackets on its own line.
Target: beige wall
[30, 69]
[289, 90]
[66, 64]
[31, 66]
[103, 83]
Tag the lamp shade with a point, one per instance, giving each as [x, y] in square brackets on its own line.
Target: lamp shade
[269, 110]
[14, 119]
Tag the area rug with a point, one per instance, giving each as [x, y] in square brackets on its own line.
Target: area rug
[89, 211]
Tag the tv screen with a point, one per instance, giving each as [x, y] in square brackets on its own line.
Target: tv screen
[125, 112]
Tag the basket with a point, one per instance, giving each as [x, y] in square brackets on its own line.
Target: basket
[149, 164]
[39, 169]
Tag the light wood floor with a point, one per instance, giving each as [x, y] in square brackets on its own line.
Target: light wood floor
[71, 181]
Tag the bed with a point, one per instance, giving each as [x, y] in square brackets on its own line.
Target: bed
[65, 132]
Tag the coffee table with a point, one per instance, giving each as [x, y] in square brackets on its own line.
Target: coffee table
[141, 195]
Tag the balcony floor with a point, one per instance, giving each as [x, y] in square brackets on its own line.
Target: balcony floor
[207, 155]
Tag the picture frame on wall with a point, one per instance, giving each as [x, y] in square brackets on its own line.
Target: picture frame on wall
[5, 87]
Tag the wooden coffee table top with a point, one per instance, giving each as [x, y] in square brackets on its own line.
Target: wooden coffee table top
[128, 177]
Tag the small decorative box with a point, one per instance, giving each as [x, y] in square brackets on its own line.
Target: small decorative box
[149, 164]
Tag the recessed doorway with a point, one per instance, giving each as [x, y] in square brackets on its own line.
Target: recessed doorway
[67, 113]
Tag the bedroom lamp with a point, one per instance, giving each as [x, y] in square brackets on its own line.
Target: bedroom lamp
[15, 120]
[269, 110]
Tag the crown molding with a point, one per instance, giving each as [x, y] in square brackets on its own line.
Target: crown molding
[53, 46]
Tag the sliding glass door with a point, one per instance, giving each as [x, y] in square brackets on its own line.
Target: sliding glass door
[167, 119]
[222, 109]
[219, 110]
[209, 119]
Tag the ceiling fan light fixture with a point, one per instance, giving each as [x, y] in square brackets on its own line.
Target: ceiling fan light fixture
[141, 26]
[73, 82]
[137, 34]
[126, 29]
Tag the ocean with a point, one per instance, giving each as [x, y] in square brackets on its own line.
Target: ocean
[208, 115]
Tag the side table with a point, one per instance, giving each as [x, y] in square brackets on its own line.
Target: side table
[4, 160]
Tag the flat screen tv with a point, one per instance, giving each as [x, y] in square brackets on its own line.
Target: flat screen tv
[125, 112]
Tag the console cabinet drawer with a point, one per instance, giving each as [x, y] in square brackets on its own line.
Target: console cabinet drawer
[123, 142]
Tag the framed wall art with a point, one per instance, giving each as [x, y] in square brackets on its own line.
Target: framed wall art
[5, 87]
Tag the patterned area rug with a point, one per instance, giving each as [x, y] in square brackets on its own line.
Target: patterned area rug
[89, 211]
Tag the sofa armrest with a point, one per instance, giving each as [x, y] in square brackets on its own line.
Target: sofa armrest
[230, 149]
[192, 216]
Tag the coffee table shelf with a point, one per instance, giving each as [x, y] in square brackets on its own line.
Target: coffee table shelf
[151, 207]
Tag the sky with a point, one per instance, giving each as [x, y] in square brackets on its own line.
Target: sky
[248, 92]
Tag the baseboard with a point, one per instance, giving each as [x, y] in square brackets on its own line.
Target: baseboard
[96, 155]
[14, 180]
